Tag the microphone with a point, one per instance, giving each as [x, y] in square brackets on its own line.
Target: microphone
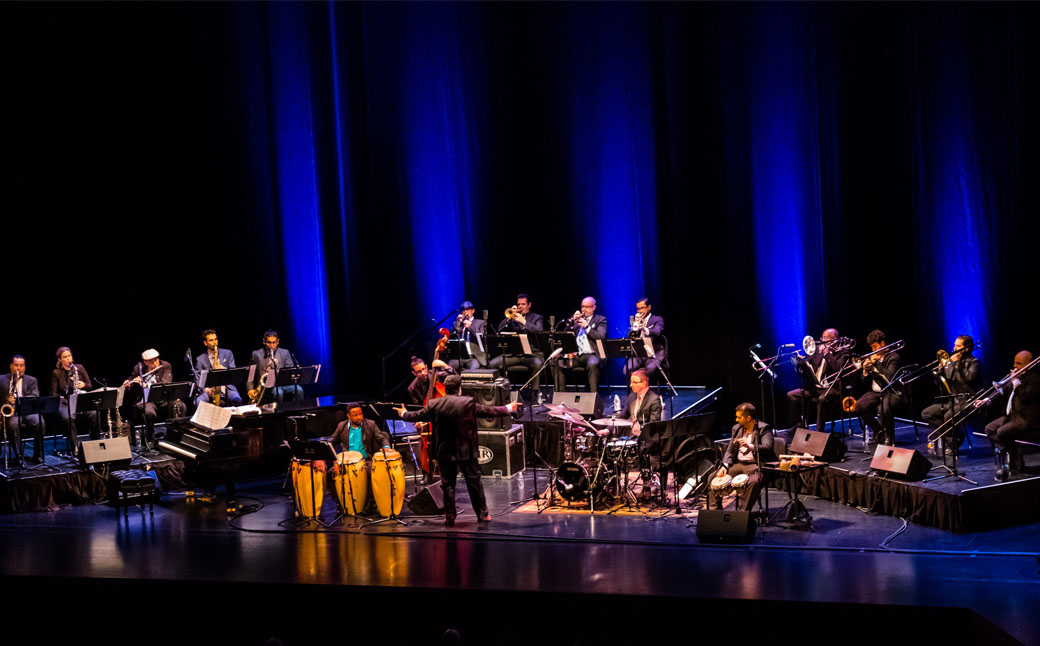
[787, 345]
[555, 353]
[757, 346]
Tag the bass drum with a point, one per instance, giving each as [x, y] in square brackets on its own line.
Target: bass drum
[574, 480]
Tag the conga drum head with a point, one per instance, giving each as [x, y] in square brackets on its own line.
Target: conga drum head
[740, 481]
[390, 455]
[349, 457]
[721, 483]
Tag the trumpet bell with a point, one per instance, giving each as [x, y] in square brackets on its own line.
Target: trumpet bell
[809, 346]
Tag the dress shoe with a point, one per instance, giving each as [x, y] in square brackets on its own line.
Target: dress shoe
[1002, 474]
[449, 521]
[484, 518]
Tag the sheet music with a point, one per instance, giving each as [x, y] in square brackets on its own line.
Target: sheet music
[599, 349]
[525, 343]
[211, 417]
[649, 345]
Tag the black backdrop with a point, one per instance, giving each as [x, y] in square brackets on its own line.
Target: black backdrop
[132, 200]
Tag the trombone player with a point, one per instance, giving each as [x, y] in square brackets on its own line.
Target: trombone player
[875, 373]
[960, 376]
[828, 358]
[14, 386]
[1021, 414]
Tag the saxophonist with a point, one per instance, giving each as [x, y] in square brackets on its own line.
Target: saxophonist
[587, 327]
[272, 357]
[69, 377]
[216, 358]
[15, 386]
[960, 374]
[149, 371]
[646, 325]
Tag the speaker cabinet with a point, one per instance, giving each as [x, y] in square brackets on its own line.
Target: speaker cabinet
[905, 464]
[823, 446]
[589, 404]
[115, 451]
[493, 394]
[428, 502]
[721, 526]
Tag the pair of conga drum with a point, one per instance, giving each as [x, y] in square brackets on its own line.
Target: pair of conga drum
[353, 481]
[722, 485]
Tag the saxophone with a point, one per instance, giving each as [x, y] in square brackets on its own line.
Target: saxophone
[215, 399]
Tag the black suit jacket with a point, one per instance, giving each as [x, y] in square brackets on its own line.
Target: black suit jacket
[964, 375]
[535, 323]
[1025, 405]
[597, 328]
[762, 441]
[453, 419]
[649, 412]
[30, 386]
[655, 327]
[60, 380]
[373, 437]
[282, 359]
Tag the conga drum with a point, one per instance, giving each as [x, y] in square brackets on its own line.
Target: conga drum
[308, 487]
[721, 485]
[351, 482]
[387, 469]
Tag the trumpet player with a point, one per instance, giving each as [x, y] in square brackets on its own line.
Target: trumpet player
[272, 357]
[958, 373]
[148, 371]
[14, 386]
[216, 358]
[1021, 415]
[874, 407]
[67, 378]
[470, 329]
[647, 326]
[587, 327]
[521, 320]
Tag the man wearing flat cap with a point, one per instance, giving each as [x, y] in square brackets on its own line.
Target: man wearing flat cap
[470, 331]
[148, 371]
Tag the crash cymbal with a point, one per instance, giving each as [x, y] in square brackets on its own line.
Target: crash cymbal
[568, 417]
[562, 408]
[611, 421]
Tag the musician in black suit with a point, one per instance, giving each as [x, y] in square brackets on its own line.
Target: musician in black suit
[961, 375]
[522, 321]
[814, 369]
[14, 386]
[359, 434]
[420, 386]
[67, 378]
[216, 358]
[453, 419]
[873, 407]
[1021, 416]
[587, 327]
[471, 330]
[643, 406]
[271, 357]
[647, 326]
[148, 371]
[751, 442]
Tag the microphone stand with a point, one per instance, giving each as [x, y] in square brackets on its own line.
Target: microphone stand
[535, 495]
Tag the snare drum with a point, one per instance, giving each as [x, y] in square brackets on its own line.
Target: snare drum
[351, 482]
[384, 471]
[308, 487]
[721, 485]
[740, 482]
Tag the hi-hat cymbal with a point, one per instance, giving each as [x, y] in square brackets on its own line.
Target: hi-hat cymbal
[562, 408]
[611, 421]
[568, 417]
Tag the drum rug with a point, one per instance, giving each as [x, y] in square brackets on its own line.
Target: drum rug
[608, 506]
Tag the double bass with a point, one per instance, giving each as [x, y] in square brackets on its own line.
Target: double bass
[435, 391]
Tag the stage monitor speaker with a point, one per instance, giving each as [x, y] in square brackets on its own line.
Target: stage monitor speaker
[589, 404]
[428, 502]
[720, 526]
[492, 394]
[905, 464]
[824, 446]
[97, 452]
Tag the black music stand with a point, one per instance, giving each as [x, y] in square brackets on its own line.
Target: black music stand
[549, 341]
[297, 376]
[99, 401]
[227, 377]
[39, 406]
[951, 471]
[309, 451]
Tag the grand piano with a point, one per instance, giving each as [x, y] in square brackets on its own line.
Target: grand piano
[251, 445]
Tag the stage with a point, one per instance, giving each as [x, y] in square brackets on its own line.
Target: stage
[552, 577]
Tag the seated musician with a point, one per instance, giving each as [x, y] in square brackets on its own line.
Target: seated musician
[1021, 416]
[69, 377]
[15, 386]
[420, 386]
[960, 375]
[359, 434]
[471, 330]
[522, 320]
[216, 358]
[643, 406]
[873, 407]
[150, 370]
[749, 440]
[815, 369]
[587, 327]
[271, 357]
[647, 326]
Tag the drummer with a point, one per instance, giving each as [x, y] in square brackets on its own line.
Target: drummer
[748, 438]
[359, 434]
[642, 406]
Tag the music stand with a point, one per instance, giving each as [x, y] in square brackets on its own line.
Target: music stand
[309, 451]
[297, 376]
[39, 406]
[549, 341]
[100, 400]
[227, 377]
[167, 393]
[387, 412]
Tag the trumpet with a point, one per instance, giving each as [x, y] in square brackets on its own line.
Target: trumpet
[512, 313]
[638, 322]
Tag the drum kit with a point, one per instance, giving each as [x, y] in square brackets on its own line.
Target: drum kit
[597, 458]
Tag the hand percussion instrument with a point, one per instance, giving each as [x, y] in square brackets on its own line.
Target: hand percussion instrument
[740, 482]
[387, 469]
[308, 487]
[721, 485]
[351, 482]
